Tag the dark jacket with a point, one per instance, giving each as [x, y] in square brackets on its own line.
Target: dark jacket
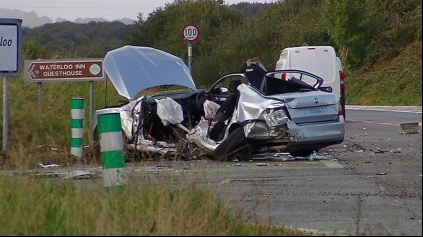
[254, 74]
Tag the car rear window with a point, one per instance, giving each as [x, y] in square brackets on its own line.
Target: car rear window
[274, 86]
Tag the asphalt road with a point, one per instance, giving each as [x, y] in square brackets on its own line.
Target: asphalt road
[371, 184]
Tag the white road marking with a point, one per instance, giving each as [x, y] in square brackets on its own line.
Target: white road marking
[402, 109]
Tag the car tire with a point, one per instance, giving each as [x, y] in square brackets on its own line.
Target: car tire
[229, 146]
[301, 153]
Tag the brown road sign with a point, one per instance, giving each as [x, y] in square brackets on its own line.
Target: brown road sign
[64, 70]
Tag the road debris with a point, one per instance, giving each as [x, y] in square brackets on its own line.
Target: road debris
[47, 174]
[356, 148]
[358, 135]
[381, 151]
[239, 165]
[409, 128]
[228, 181]
[48, 165]
[81, 174]
[262, 164]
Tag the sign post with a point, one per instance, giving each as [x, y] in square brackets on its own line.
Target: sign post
[190, 34]
[10, 64]
[65, 70]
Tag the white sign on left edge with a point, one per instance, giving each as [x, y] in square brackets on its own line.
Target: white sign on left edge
[10, 47]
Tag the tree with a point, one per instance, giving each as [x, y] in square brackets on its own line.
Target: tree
[347, 24]
[33, 50]
[163, 30]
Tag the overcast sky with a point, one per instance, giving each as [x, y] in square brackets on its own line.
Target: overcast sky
[107, 9]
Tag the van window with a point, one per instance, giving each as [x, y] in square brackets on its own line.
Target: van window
[317, 60]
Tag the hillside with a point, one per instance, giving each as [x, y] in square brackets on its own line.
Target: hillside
[388, 82]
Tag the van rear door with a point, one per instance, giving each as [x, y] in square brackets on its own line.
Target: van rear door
[319, 60]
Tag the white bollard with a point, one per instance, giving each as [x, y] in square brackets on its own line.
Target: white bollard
[77, 126]
[112, 152]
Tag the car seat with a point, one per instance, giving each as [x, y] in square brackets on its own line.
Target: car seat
[225, 110]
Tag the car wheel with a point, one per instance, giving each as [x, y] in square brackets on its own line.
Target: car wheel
[230, 145]
[301, 153]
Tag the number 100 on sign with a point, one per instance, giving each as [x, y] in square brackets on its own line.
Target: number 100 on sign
[190, 33]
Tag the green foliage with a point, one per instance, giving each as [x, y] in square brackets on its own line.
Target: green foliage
[250, 9]
[346, 23]
[163, 30]
[395, 24]
[33, 50]
[396, 83]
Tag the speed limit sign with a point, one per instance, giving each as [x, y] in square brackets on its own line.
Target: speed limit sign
[190, 33]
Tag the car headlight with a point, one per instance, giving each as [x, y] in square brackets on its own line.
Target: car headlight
[275, 117]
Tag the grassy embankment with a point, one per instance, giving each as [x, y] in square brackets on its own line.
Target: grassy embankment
[391, 83]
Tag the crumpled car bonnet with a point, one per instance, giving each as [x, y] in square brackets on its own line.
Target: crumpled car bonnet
[134, 68]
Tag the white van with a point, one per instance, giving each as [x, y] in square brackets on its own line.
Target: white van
[319, 60]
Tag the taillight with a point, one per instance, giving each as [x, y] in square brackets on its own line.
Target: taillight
[340, 112]
[283, 76]
[341, 76]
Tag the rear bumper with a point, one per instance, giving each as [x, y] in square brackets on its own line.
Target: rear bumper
[312, 136]
[315, 136]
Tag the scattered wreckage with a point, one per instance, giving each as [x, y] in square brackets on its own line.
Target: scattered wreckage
[232, 119]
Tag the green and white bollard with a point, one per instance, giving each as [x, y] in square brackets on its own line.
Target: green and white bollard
[111, 148]
[77, 126]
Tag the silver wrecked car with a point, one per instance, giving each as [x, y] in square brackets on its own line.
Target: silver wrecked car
[232, 119]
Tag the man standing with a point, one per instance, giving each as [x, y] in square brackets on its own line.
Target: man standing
[254, 71]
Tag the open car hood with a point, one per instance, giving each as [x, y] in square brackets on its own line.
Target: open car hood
[134, 68]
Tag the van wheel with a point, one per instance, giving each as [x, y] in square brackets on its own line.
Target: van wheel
[230, 145]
